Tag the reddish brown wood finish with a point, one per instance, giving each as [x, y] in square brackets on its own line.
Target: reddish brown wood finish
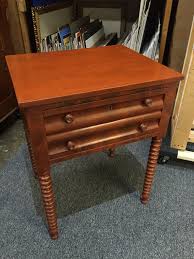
[83, 73]
[151, 167]
[33, 161]
[98, 115]
[49, 203]
[71, 109]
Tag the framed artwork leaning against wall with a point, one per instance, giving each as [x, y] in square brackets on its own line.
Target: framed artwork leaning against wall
[47, 18]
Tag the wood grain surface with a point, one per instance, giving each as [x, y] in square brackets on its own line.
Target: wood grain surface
[41, 77]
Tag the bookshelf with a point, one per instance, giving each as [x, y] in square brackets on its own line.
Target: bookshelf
[128, 13]
[73, 10]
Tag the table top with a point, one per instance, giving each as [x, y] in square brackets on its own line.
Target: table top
[44, 77]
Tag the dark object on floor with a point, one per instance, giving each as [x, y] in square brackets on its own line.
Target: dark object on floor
[111, 152]
[9, 121]
[163, 159]
[169, 155]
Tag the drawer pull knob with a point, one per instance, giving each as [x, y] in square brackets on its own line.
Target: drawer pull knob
[69, 118]
[148, 102]
[70, 145]
[143, 127]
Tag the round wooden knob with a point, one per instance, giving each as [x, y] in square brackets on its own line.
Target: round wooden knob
[70, 145]
[148, 102]
[69, 118]
[143, 127]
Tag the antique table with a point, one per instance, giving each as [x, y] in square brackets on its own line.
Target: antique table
[83, 101]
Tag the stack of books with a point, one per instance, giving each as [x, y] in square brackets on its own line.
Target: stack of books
[82, 33]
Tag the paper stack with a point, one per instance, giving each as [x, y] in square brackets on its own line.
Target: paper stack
[151, 50]
[135, 36]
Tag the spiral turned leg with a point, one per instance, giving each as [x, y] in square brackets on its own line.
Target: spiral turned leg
[49, 204]
[151, 166]
[111, 152]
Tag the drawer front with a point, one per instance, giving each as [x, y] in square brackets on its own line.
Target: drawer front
[76, 129]
[68, 146]
[65, 121]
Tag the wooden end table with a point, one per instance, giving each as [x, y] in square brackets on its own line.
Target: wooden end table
[83, 101]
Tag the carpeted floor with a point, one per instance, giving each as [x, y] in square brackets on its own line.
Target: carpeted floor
[100, 215]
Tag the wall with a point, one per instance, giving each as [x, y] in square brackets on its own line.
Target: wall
[15, 29]
[184, 17]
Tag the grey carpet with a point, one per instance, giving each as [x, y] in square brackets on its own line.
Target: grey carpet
[100, 214]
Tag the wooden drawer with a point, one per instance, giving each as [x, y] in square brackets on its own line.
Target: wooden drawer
[107, 133]
[67, 120]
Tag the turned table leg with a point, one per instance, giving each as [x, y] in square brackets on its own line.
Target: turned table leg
[49, 204]
[151, 166]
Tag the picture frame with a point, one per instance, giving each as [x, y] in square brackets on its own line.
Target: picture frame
[123, 5]
[47, 18]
